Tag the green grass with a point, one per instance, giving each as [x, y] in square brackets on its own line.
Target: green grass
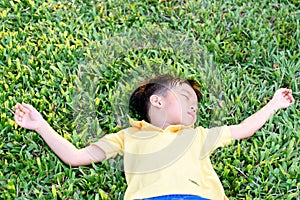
[43, 45]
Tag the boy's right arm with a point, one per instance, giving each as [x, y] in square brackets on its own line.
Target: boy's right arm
[28, 117]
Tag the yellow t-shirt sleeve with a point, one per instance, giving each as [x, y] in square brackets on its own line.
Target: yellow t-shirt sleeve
[214, 138]
[111, 144]
[223, 135]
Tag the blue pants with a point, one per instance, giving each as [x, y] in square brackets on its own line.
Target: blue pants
[176, 197]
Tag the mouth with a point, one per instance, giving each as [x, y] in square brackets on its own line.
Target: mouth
[192, 114]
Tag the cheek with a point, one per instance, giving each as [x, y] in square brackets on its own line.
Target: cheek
[179, 107]
[174, 106]
[182, 104]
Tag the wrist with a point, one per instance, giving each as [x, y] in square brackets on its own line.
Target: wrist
[273, 106]
[43, 125]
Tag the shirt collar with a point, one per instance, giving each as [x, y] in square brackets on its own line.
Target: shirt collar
[143, 125]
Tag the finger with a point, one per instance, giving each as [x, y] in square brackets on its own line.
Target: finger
[288, 94]
[292, 100]
[17, 106]
[25, 108]
[18, 119]
[289, 98]
[28, 106]
[284, 91]
[17, 112]
[18, 115]
[21, 114]
[287, 91]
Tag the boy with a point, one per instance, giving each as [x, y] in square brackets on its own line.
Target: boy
[165, 157]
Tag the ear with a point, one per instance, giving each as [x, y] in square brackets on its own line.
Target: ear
[156, 101]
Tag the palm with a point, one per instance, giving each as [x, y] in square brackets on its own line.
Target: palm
[29, 121]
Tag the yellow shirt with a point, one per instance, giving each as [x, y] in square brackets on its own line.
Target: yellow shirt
[170, 161]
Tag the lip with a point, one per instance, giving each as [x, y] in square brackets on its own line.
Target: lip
[192, 114]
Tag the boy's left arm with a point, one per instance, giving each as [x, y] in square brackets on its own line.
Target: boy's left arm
[282, 98]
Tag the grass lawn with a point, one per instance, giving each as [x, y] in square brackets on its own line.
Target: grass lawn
[77, 62]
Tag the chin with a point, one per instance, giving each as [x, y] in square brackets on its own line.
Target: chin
[188, 123]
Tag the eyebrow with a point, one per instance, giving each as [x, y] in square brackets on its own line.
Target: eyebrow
[184, 90]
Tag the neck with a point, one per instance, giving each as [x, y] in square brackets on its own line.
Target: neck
[160, 124]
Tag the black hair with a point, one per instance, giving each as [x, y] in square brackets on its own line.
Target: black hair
[139, 101]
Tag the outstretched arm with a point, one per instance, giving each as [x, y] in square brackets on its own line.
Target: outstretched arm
[282, 98]
[28, 117]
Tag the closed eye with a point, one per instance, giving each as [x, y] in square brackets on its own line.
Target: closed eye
[186, 96]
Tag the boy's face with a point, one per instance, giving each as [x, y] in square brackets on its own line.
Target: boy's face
[181, 105]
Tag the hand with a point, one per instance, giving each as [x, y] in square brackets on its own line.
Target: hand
[283, 98]
[27, 116]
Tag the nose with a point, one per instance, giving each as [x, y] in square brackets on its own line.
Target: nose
[194, 108]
